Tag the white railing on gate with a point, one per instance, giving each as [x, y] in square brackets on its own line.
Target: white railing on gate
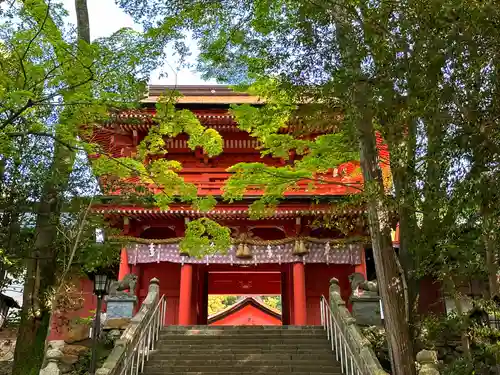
[148, 335]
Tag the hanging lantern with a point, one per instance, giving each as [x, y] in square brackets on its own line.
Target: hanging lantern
[243, 251]
[300, 248]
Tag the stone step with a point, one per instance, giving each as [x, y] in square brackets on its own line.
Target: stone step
[225, 356]
[240, 350]
[249, 340]
[239, 331]
[242, 369]
[215, 334]
[246, 335]
[168, 347]
[254, 351]
[241, 340]
[219, 371]
[241, 328]
[231, 363]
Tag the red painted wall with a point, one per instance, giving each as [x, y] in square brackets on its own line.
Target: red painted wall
[431, 300]
[169, 276]
[243, 282]
[248, 315]
[60, 324]
[318, 283]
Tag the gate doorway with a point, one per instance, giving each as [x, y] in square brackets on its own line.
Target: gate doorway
[244, 310]
[257, 294]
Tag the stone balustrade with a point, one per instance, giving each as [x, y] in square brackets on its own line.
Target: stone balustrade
[359, 346]
[125, 344]
[427, 363]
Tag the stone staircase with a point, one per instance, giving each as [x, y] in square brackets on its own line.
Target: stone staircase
[242, 350]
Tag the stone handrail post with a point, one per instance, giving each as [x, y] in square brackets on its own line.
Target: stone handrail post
[427, 360]
[53, 358]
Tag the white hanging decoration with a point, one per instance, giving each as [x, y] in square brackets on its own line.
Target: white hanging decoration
[158, 256]
[279, 258]
[151, 249]
[231, 259]
[269, 251]
[327, 252]
[135, 253]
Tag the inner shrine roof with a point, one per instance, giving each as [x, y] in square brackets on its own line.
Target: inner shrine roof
[120, 136]
[202, 94]
[143, 119]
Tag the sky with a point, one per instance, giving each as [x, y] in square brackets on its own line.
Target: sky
[106, 18]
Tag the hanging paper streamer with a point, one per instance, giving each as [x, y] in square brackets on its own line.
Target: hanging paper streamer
[254, 254]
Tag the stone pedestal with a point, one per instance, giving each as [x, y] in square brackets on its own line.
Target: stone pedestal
[366, 310]
[120, 306]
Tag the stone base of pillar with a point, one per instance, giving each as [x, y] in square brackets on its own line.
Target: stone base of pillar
[120, 306]
[366, 310]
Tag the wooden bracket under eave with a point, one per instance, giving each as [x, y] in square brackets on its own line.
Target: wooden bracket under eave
[126, 225]
[135, 137]
[298, 226]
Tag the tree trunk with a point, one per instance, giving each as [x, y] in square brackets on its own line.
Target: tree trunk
[41, 268]
[388, 275]
[41, 271]
[82, 21]
[490, 245]
[402, 145]
[451, 286]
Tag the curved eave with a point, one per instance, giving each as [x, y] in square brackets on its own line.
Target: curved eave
[210, 100]
[155, 213]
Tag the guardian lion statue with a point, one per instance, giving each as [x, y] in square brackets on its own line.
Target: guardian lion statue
[128, 282]
[361, 287]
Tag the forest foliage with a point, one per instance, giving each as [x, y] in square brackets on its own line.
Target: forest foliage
[422, 74]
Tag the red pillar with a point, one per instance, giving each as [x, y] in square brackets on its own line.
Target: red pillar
[124, 266]
[361, 268]
[299, 294]
[185, 294]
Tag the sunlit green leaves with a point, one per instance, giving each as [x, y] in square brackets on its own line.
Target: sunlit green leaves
[205, 237]
[120, 167]
[204, 204]
[172, 122]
